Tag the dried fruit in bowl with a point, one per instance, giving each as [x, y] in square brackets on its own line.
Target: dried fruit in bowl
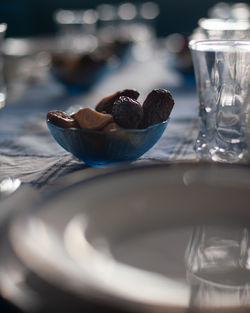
[106, 104]
[111, 126]
[120, 110]
[157, 107]
[62, 119]
[127, 112]
[90, 119]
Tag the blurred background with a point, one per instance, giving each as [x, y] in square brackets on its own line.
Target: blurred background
[32, 18]
[78, 43]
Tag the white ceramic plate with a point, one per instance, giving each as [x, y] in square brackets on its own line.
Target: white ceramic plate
[121, 237]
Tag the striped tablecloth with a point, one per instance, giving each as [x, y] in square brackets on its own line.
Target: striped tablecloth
[28, 151]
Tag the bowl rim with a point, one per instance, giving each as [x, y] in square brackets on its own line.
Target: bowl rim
[129, 130]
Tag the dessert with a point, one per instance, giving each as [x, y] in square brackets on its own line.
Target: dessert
[75, 70]
[81, 69]
[120, 110]
[127, 112]
[106, 104]
[157, 107]
[111, 126]
[62, 119]
[103, 139]
[90, 119]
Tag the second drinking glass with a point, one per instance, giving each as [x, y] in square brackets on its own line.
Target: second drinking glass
[222, 72]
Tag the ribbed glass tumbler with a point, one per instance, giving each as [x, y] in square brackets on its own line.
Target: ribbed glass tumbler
[222, 72]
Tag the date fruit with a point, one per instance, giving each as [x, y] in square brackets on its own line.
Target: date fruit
[106, 104]
[157, 107]
[62, 119]
[127, 112]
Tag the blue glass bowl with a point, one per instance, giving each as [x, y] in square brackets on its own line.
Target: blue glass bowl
[79, 81]
[83, 83]
[107, 148]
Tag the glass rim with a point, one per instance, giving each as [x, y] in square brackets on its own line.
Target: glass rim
[217, 24]
[219, 45]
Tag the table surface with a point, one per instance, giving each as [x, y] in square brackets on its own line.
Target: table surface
[28, 151]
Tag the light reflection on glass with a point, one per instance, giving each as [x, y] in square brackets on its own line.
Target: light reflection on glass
[217, 261]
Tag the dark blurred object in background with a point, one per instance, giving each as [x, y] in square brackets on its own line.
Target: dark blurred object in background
[31, 18]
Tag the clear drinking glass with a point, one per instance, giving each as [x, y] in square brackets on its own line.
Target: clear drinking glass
[222, 72]
[221, 29]
[2, 85]
[76, 30]
[218, 268]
